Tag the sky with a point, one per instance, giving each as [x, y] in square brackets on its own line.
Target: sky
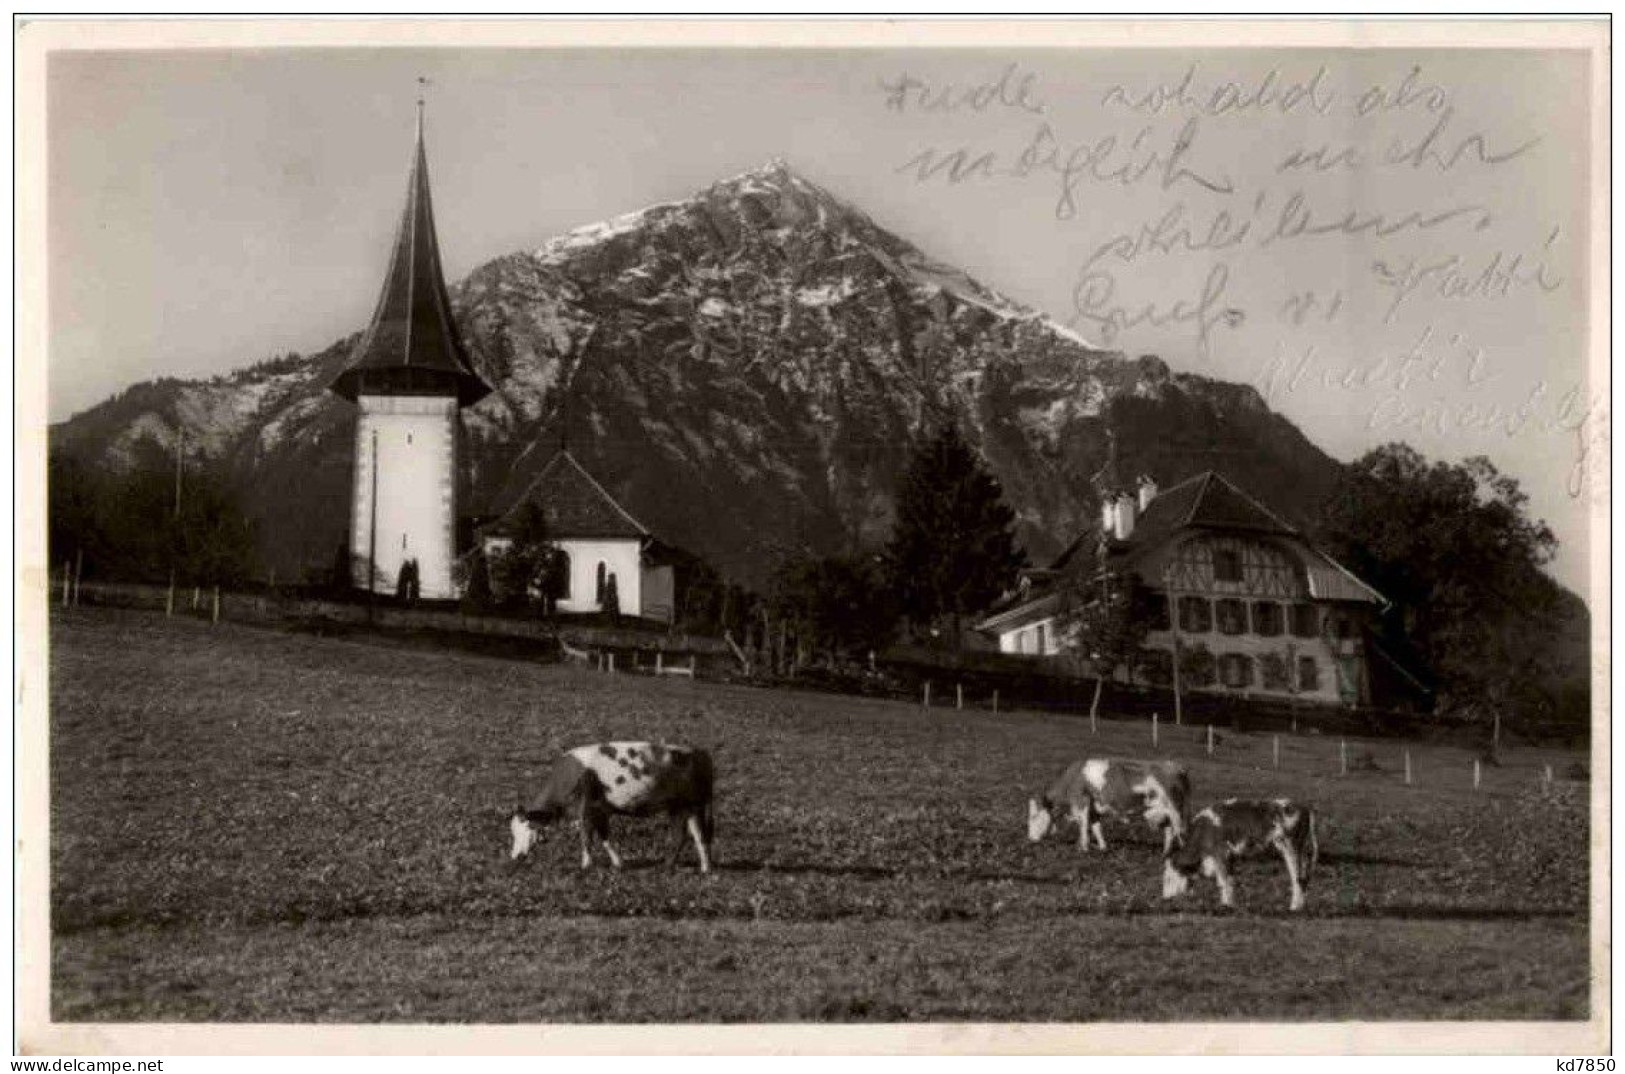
[1389, 244]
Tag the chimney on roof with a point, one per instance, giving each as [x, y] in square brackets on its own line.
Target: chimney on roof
[1123, 516]
[1148, 491]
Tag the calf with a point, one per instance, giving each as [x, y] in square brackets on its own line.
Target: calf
[1236, 827]
[631, 778]
[1097, 787]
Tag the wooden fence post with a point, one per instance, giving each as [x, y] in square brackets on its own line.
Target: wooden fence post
[1154, 718]
[660, 659]
[1276, 749]
[216, 617]
[693, 662]
[1546, 777]
[1407, 768]
[78, 574]
[1210, 740]
[169, 602]
[65, 582]
[197, 595]
[959, 695]
[995, 701]
[1343, 756]
[1475, 773]
[927, 702]
[612, 663]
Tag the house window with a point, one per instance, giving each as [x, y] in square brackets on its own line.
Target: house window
[1196, 666]
[1308, 673]
[1275, 671]
[1157, 666]
[1266, 618]
[1232, 616]
[1235, 670]
[1344, 626]
[1195, 615]
[1156, 613]
[1226, 565]
[1042, 631]
[1305, 621]
[598, 598]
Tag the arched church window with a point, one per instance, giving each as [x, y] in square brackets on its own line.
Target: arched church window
[561, 574]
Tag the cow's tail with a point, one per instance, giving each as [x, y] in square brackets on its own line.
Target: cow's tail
[706, 786]
[1308, 845]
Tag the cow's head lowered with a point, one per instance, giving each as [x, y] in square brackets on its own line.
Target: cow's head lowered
[1040, 818]
[526, 829]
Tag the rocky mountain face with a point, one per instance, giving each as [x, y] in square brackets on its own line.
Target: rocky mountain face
[746, 371]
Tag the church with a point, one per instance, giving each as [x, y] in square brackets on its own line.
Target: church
[410, 379]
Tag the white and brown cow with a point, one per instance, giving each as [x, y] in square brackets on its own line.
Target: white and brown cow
[633, 778]
[1236, 827]
[1099, 787]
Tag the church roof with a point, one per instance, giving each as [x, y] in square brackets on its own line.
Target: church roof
[413, 337]
[573, 504]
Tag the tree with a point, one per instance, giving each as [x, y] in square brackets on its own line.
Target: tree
[131, 525]
[1452, 547]
[472, 573]
[1104, 617]
[952, 550]
[839, 604]
[524, 569]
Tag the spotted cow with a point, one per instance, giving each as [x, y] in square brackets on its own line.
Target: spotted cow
[1238, 827]
[1097, 787]
[632, 778]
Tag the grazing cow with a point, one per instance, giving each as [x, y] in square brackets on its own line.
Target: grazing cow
[1097, 787]
[1236, 827]
[633, 778]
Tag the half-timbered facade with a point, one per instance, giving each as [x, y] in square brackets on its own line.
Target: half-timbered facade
[1251, 606]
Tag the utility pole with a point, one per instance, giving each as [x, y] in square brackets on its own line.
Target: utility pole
[372, 536]
[1173, 624]
[175, 536]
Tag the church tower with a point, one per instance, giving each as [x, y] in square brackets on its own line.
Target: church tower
[409, 378]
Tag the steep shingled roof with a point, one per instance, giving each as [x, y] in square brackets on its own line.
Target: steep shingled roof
[413, 337]
[573, 504]
[1207, 501]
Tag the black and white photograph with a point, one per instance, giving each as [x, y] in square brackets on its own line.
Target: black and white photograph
[682, 529]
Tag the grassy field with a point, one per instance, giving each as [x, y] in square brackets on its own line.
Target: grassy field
[250, 825]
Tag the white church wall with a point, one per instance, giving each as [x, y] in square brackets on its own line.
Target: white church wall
[417, 466]
[620, 558]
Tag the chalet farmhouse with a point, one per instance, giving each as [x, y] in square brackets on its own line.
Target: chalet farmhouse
[602, 544]
[1253, 606]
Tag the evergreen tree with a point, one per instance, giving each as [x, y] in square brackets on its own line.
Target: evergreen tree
[952, 551]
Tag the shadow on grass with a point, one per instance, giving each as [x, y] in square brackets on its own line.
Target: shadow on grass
[1343, 857]
[1424, 912]
[793, 868]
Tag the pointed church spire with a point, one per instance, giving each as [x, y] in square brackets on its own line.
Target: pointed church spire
[412, 345]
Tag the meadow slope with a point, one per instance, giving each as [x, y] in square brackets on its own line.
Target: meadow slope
[254, 825]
